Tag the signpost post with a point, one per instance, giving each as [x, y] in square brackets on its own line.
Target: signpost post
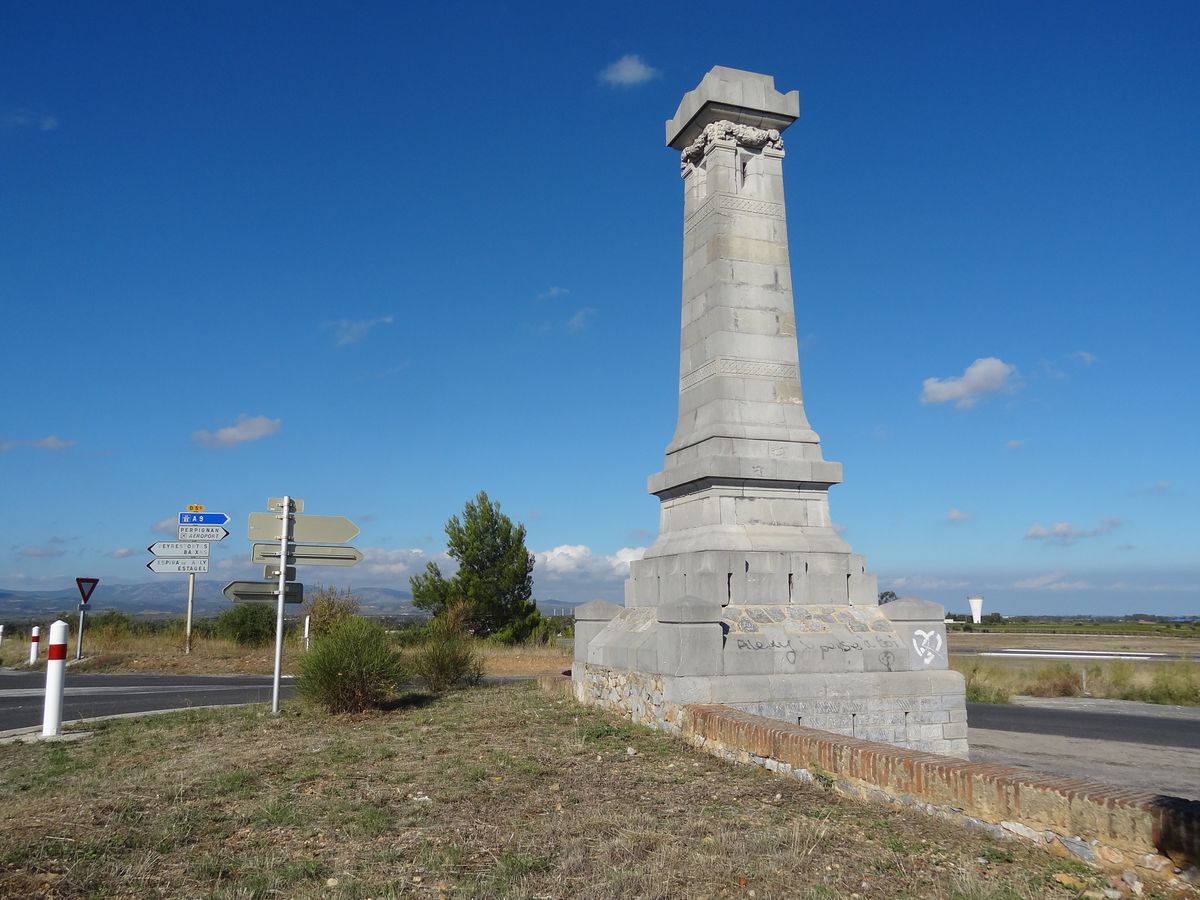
[86, 586]
[278, 530]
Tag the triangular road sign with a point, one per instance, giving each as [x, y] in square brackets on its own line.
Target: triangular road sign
[86, 586]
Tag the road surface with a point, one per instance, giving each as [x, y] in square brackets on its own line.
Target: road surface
[89, 696]
[1139, 745]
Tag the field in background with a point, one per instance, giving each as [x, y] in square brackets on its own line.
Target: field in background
[997, 680]
[490, 792]
[1022, 625]
[1182, 645]
[163, 652]
[991, 679]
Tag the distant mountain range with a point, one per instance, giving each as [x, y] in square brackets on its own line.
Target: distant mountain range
[166, 599]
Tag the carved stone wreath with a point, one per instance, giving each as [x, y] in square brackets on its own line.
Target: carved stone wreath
[745, 135]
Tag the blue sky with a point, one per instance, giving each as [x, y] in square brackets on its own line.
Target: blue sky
[384, 256]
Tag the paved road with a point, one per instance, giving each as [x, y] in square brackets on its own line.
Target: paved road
[1123, 726]
[88, 696]
[1139, 745]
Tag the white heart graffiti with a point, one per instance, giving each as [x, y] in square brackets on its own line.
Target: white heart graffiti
[928, 645]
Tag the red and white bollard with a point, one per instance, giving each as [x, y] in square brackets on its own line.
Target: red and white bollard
[56, 668]
[33, 645]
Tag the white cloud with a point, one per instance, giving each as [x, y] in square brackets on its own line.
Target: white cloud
[981, 377]
[1082, 356]
[1066, 533]
[1014, 444]
[33, 552]
[247, 428]
[169, 525]
[553, 292]
[573, 560]
[349, 331]
[50, 442]
[24, 118]
[627, 71]
[579, 321]
[53, 442]
[402, 563]
[957, 515]
[122, 553]
[1051, 581]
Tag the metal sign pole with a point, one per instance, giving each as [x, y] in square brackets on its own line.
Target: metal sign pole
[187, 633]
[285, 533]
[79, 640]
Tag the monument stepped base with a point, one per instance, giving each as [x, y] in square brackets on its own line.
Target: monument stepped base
[872, 673]
[922, 711]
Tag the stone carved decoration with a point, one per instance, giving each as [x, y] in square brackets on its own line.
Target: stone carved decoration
[746, 135]
[747, 368]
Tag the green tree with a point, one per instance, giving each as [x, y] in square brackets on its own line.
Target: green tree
[887, 596]
[495, 573]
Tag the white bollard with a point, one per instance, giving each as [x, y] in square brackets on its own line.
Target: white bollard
[1, 635]
[33, 645]
[305, 632]
[56, 667]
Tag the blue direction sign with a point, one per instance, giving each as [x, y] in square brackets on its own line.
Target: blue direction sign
[202, 518]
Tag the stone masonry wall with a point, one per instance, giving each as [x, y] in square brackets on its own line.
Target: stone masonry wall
[1128, 831]
[933, 724]
[636, 695]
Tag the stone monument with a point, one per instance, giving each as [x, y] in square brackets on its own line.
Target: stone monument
[749, 597]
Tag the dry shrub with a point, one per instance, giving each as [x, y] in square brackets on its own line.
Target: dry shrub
[352, 667]
[328, 607]
[1058, 680]
[447, 657]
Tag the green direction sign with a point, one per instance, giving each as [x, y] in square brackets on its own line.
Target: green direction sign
[262, 592]
[266, 526]
[308, 555]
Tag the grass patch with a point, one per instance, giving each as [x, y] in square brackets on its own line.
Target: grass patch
[1175, 683]
[495, 791]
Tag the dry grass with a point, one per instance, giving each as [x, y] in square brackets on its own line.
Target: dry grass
[960, 641]
[216, 656]
[996, 679]
[491, 792]
[546, 659]
[162, 653]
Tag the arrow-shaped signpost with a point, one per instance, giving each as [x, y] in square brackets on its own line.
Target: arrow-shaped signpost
[262, 592]
[308, 555]
[277, 530]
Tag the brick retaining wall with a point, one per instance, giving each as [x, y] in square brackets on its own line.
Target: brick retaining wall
[1111, 827]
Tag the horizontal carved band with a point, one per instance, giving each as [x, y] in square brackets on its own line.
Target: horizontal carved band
[747, 368]
[721, 202]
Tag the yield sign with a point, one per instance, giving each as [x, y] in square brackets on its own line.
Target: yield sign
[86, 586]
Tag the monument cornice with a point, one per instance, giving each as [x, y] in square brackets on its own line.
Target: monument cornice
[746, 136]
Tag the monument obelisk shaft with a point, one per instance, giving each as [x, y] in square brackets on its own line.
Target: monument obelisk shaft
[749, 598]
[744, 488]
